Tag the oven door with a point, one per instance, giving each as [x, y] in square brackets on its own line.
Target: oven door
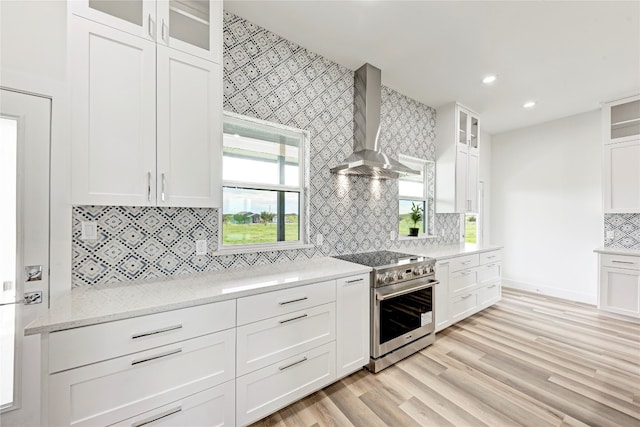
[402, 313]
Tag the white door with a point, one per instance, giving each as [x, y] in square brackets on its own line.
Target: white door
[24, 242]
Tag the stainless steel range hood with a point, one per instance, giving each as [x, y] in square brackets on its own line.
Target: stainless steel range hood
[367, 160]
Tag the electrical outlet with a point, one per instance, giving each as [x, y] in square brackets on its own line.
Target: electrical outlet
[611, 234]
[201, 247]
[319, 239]
[89, 230]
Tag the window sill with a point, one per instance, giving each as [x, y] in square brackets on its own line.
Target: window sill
[271, 248]
[420, 237]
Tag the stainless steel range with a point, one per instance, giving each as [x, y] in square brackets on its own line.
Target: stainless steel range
[402, 304]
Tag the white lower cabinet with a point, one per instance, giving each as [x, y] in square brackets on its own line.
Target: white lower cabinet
[443, 304]
[619, 285]
[213, 407]
[468, 284]
[226, 363]
[266, 390]
[353, 304]
[271, 340]
[107, 392]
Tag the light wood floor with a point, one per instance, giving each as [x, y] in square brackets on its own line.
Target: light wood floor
[528, 360]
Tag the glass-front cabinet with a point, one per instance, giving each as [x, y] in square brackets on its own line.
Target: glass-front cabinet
[621, 120]
[192, 26]
[468, 128]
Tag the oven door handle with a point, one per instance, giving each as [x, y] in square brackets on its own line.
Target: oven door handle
[408, 290]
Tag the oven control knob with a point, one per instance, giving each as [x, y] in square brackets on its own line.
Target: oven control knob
[421, 270]
[394, 277]
[401, 275]
[387, 278]
[380, 280]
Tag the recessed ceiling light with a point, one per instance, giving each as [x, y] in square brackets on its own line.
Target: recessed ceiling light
[529, 104]
[489, 79]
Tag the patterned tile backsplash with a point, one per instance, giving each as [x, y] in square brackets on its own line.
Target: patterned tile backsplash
[626, 228]
[270, 78]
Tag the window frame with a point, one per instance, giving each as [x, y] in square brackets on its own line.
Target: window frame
[426, 217]
[302, 188]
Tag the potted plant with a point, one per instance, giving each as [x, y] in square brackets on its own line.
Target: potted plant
[416, 216]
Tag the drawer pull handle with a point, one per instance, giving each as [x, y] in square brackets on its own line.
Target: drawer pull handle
[465, 273]
[492, 286]
[293, 300]
[157, 356]
[491, 256]
[355, 280]
[157, 417]
[292, 319]
[157, 331]
[623, 262]
[491, 265]
[465, 263]
[466, 296]
[282, 368]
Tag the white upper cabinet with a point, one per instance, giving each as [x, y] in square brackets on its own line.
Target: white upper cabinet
[621, 156]
[146, 116]
[113, 121]
[621, 120]
[192, 26]
[457, 159]
[189, 130]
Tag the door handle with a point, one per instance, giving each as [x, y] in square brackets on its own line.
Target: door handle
[163, 187]
[28, 299]
[149, 186]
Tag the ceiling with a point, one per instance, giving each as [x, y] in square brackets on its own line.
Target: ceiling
[567, 56]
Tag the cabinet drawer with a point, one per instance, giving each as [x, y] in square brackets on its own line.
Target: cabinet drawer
[463, 262]
[270, 304]
[89, 344]
[489, 273]
[463, 281]
[110, 391]
[215, 407]
[489, 294]
[262, 343]
[464, 306]
[488, 257]
[620, 261]
[269, 389]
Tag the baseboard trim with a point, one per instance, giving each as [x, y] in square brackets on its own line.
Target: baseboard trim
[591, 299]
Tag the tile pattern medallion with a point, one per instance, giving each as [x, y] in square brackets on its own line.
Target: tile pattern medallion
[270, 78]
[626, 228]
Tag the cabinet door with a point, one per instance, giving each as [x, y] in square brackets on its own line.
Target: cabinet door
[352, 325]
[621, 120]
[192, 26]
[622, 177]
[462, 160]
[212, 407]
[116, 389]
[474, 134]
[189, 130]
[135, 17]
[442, 299]
[620, 291]
[264, 391]
[113, 121]
[472, 182]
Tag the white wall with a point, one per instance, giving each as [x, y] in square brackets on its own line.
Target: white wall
[33, 52]
[546, 206]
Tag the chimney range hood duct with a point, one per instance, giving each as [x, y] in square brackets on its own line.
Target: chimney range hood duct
[367, 160]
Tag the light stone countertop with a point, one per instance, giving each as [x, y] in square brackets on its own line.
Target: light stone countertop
[90, 305]
[442, 252]
[617, 251]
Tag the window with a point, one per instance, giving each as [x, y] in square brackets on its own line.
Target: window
[416, 190]
[263, 182]
[470, 228]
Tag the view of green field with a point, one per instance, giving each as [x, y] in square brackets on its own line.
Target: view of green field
[470, 229]
[256, 233]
